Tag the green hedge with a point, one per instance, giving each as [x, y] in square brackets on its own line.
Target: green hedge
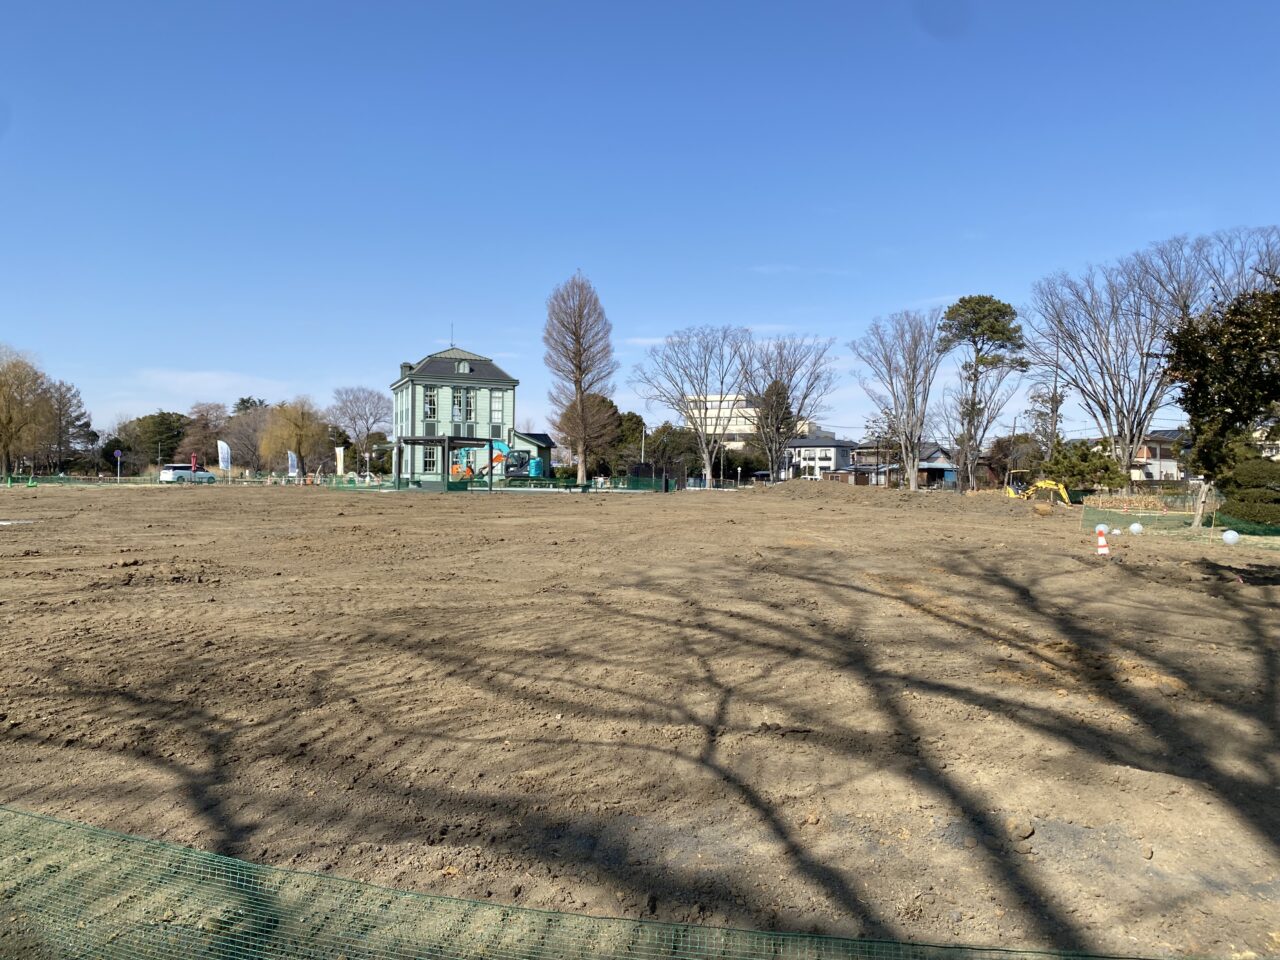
[1253, 512]
[1256, 495]
[1253, 493]
[1256, 473]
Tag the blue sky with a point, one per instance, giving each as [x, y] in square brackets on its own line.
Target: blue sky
[199, 201]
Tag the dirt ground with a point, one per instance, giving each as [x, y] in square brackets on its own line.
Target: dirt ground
[923, 717]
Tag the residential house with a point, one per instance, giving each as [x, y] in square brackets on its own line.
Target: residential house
[817, 456]
[935, 468]
[1158, 456]
[1269, 448]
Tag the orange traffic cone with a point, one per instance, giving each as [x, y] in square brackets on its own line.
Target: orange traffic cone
[1103, 549]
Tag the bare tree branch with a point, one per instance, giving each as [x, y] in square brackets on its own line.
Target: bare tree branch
[360, 412]
[902, 354]
[692, 373]
[1105, 331]
[786, 381]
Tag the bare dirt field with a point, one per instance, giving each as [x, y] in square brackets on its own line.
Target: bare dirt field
[813, 708]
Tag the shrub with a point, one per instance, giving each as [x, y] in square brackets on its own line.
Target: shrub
[1256, 473]
[1264, 513]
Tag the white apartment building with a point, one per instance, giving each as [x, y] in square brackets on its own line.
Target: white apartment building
[730, 413]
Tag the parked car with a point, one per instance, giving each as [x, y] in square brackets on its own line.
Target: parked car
[182, 473]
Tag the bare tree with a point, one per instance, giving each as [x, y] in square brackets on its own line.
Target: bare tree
[65, 430]
[785, 382]
[243, 433]
[360, 412]
[1105, 331]
[23, 406]
[694, 373]
[1184, 276]
[901, 354]
[579, 356]
[967, 414]
[205, 424]
[1108, 339]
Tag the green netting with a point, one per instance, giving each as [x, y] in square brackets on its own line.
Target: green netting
[1248, 527]
[71, 891]
[1153, 521]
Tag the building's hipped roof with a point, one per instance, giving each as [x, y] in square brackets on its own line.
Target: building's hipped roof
[456, 353]
[442, 365]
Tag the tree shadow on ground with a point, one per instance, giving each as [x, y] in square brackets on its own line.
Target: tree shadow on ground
[706, 640]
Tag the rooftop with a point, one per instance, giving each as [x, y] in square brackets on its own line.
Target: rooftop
[443, 366]
[537, 439]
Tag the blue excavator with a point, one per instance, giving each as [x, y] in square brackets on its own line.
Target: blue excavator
[514, 463]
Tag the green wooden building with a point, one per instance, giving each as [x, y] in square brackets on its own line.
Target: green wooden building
[453, 411]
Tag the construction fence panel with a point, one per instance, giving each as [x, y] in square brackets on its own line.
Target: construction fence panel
[72, 891]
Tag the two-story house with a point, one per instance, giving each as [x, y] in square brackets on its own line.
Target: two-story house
[447, 408]
[817, 456]
[1159, 456]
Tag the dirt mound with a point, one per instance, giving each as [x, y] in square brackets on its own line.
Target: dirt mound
[977, 505]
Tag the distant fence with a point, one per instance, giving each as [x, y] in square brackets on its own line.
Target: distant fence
[69, 890]
[1165, 514]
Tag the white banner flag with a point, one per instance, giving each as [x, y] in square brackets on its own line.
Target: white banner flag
[293, 464]
[224, 455]
[340, 454]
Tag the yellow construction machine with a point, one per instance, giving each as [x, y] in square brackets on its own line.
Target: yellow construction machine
[1029, 490]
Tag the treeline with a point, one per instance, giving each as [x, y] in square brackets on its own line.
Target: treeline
[45, 429]
[708, 377]
[621, 443]
[44, 426]
[1100, 338]
[261, 434]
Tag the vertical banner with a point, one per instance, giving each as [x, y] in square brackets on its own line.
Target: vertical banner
[339, 454]
[224, 456]
[293, 464]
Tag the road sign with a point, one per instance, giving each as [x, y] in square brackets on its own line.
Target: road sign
[119, 454]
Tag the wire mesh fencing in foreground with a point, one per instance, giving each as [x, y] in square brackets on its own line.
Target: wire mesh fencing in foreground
[71, 891]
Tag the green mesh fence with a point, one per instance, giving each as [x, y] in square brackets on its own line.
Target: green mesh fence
[1248, 527]
[1152, 521]
[71, 891]
[1214, 523]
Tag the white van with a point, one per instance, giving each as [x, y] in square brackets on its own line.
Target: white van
[182, 473]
